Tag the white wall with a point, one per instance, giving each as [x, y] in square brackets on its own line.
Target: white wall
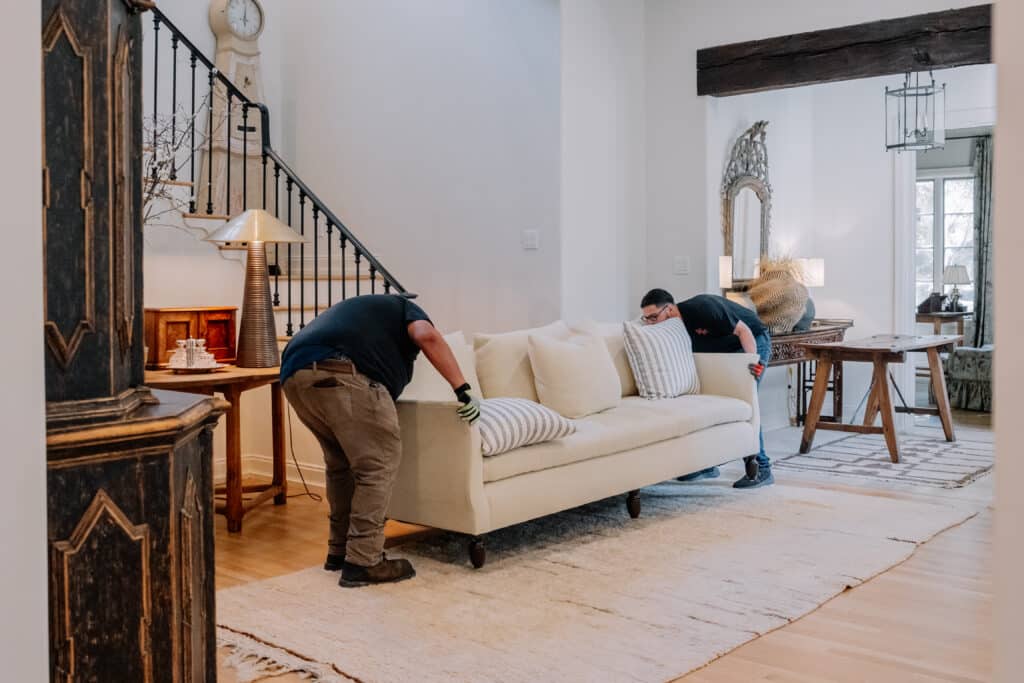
[432, 129]
[1009, 178]
[603, 221]
[23, 640]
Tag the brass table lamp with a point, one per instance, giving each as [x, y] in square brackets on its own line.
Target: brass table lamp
[257, 338]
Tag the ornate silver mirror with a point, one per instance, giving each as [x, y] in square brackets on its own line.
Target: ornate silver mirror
[747, 203]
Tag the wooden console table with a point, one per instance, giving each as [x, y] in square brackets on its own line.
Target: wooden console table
[231, 381]
[940, 318]
[788, 349]
[879, 350]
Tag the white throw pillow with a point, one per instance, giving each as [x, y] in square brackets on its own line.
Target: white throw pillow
[503, 361]
[508, 423]
[616, 343]
[662, 358]
[574, 377]
[427, 383]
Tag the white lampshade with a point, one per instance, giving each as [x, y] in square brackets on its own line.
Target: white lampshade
[254, 225]
[725, 272]
[812, 271]
[956, 275]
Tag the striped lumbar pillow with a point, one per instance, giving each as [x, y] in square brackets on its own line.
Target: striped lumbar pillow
[661, 357]
[507, 423]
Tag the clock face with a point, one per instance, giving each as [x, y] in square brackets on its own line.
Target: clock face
[245, 18]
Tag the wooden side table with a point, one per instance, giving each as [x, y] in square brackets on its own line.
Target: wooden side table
[879, 351]
[788, 349]
[941, 318]
[231, 381]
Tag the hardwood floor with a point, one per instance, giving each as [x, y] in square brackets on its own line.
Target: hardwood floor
[926, 620]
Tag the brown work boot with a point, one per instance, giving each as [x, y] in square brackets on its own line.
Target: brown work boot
[385, 571]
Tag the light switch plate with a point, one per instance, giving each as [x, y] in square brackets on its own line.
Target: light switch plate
[681, 265]
[531, 239]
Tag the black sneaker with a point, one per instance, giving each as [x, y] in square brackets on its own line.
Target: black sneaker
[385, 571]
[334, 563]
[764, 478]
[709, 473]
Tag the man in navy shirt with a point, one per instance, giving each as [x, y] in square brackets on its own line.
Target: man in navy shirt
[717, 325]
[342, 374]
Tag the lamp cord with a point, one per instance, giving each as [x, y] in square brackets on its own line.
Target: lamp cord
[291, 447]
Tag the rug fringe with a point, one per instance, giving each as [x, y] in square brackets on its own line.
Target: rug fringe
[254, 659]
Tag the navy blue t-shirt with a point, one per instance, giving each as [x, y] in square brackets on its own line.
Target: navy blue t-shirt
[371, 330]
[711, 320]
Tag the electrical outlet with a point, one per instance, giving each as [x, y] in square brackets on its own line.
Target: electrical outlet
[531, 239]
[681, 265]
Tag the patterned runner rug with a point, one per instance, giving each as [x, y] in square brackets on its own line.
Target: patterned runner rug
[587, 594]
[923, 460]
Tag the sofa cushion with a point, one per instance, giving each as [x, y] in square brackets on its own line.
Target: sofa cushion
[634, 423]
[427, 383]
[503, 361]
[661, 357]
[508, 423]
[616, 343]
[574, 377]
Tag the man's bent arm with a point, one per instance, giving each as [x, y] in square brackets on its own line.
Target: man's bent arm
[746, 337]
[437, 351]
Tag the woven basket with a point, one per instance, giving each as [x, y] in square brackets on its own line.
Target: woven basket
[779, 298]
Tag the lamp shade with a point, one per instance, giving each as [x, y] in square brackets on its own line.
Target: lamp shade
[725, 272]
[254, 225]
[956, 275]
[812, 272]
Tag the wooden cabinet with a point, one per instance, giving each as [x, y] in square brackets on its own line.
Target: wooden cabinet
[165, 326]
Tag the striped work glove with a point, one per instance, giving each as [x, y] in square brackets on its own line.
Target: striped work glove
[469, 411]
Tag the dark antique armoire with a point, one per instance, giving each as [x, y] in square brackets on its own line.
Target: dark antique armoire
[130, 514]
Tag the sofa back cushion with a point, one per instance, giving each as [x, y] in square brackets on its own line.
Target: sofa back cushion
[503, 361]
[427, 383]
[616, 343]
[509, 423]
[574, 377]
[661, 357]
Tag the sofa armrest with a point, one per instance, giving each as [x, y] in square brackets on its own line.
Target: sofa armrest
[440, 478]
[727, 374]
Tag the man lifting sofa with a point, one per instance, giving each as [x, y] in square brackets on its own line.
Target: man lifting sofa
[445, 481]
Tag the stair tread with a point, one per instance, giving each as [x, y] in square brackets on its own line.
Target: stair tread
[206, 216]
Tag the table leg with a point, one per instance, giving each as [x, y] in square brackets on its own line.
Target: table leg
[234, 459]
[277, 415]
[871, 412]
[937, 326]
[837, 391]
[881, 381]
[960, 330]
[941, 395]
[817, 401]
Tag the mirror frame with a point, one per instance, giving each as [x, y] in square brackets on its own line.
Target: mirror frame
[747, 168]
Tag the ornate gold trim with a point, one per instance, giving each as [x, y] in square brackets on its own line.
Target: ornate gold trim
[123, 219]
[62, 348]
[102, 506]
[193, 591]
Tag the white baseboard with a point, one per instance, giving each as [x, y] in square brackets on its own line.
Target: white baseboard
[263, 465]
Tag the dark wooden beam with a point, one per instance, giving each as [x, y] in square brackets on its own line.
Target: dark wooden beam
[935, 40]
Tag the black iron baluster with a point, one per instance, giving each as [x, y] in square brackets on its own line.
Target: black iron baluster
[245, 155]
[277, 247]
[288, 188]
[359, 283]
[227, 154]
[174, 106]
[192, 147]
[344, 283]
[373, 279]
[387, 286]
[330, 270]
[316, 261]
[209, 148]
[264, 181]
[156, 90]
[302, 259]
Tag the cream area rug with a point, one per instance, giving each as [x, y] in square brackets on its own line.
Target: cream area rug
[923, 460]
[588, 594]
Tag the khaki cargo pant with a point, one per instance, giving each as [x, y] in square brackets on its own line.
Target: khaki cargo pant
[356, 423]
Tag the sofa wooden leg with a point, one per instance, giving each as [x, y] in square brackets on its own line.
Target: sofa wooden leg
[477, 552]
[633, 504]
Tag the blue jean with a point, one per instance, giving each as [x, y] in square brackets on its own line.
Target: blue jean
[764, 350]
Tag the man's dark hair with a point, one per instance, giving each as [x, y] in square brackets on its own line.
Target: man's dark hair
[656, 297]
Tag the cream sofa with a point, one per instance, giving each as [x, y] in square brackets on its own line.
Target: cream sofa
[444, 481]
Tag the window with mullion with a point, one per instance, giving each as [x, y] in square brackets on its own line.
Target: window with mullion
[948, 196]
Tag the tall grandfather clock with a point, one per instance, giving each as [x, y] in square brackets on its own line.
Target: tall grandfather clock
[129, 488]
[237, 25]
